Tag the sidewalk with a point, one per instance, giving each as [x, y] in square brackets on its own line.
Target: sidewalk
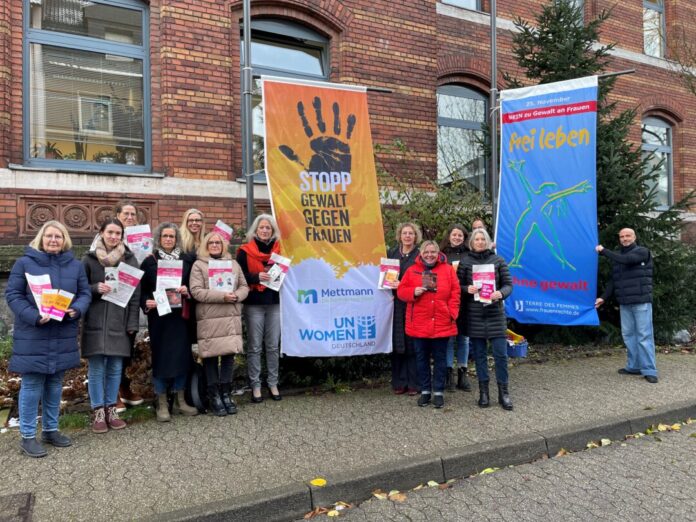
[260, 460]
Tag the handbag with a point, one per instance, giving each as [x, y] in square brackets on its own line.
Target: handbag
[186, 309]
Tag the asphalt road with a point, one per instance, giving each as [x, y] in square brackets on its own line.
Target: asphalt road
[652, 478]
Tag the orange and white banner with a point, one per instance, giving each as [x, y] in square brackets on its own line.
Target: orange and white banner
[323, 185]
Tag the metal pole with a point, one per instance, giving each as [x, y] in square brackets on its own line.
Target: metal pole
[493, 115]
[247, 131]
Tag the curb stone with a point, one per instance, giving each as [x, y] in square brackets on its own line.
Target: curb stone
[291, 502]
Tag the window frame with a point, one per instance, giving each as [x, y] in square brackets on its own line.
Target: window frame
[282, 31]
[648, 148]
[456, 89]
[478, 8]
[87, 44]
[659, 7]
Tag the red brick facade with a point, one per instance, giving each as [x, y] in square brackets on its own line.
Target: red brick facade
[408, 47]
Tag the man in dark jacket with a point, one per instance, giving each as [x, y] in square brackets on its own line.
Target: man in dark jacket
[631, 284]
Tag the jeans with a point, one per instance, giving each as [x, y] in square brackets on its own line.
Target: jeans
[104, 378]
[462, 351]
[480, 348]
[437, 348]
[263, 328]
[218, 372]
[173, 384]
[39, 387]
[637, 332]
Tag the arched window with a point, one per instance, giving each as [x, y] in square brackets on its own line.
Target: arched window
[657, 140]
[282, 48]
[461, 113]
[86, 85]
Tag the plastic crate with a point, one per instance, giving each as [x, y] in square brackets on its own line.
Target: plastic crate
[517, 350]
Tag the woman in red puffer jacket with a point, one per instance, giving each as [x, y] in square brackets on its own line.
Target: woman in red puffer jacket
[431, 290]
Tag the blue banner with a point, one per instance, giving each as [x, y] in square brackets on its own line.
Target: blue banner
[547, 211]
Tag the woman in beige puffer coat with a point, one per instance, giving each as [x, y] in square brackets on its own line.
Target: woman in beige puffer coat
[219, 323]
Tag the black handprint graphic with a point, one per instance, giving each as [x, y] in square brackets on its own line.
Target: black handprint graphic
[330, 153]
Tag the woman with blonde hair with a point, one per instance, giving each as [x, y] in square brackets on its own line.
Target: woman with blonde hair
[43, 349]
[192, 230]
[403, 357]
[219, 316]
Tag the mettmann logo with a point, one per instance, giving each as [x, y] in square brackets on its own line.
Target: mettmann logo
[328, 295]
[307, 296]
[360, 328]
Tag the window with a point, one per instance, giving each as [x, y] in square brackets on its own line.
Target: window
[657, 140]
[281, 48]
[86, 85]
[654, 28]
[579, 4]
[466, 4]
[461, 113]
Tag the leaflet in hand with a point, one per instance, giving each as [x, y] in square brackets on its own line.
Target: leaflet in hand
[277, 271]
[111, 277]
[224, 230]
[483, 277]
[169, 274]
[139, 239]
[388, 274]
[163, 307]
[37, 284]
[429, 281]
[221, 276]
[128, 279]
[57, 302]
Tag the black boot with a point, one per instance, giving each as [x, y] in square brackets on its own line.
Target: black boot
[463, 380]
[449, 380]
[484, 399]
[503, 397]
[226, 396]
[215, 405]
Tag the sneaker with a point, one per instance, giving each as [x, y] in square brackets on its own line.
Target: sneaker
[113, 420]
[120, 406]
[129, 397]
[424, 399]
[652, 379]
[438, 401]
[624, 371]
[56, 438]
[32, 448]
[99, 421]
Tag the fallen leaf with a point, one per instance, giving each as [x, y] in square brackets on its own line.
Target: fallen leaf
[316, 512]
[693, 435]
[379, 494]
[488, 471]
[662, 427]
[650, 431]
[623, 444]
[318, 482]
[592, 445]
[332, 513]
[432, 484]
[419, 486]
[689, 421]
[397, 497]
[451, 481]
[605, 442]
[343, 505]
[676, 427]
[444, 486]
[561, 452]
[393, 492]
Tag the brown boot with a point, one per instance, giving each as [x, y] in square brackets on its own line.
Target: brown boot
[113, 420]
[99, 424]
[181, 407]
[129, 397]
[163, 408]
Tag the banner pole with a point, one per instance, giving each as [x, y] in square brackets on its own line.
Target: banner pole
[247, 131]
[493, 117]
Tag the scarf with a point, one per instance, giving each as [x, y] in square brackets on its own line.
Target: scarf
[111, 258]
[257, 260]
[172, 256]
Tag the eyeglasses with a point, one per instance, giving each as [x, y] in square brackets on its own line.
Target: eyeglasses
[55, 237]
[194, 221]
[214, 242]
[168, 236]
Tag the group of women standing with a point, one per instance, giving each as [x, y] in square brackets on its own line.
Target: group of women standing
[437, 307]
[44, 349]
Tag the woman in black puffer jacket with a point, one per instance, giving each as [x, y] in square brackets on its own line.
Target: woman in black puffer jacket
[485, 322]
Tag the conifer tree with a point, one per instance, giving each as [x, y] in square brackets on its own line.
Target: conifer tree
[558, 46]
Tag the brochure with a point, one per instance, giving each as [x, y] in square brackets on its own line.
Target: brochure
[223, 229]
[221, 275]
[388, 274]
[37, 284]
[277, 271]
[169, 274]
[128, 279]
[429, 281]
[163, 307]
[57, 302]
[139, 239]
[483, 277]
[111, 277]
[173, 297]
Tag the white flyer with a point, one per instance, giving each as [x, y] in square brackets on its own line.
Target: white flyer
[169, 274]
[37, 284]
[221, 276]
[388, 274]
[277, 271]
[162, 301]
[128, 279]
[139, 239]
[223, 229]
[111, 277]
